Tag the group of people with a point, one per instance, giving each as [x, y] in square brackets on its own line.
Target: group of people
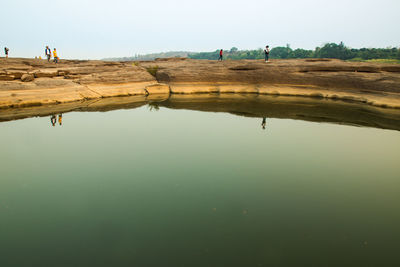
[53, 119]
[266, 53]
[47, 52]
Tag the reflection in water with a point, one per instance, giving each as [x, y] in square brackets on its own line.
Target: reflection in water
[211, 194]
[285, 107]
[53, 120]
[263, 123]
[153, 106]
[258, 106]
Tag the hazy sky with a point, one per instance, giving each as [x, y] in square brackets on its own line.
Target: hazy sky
[97, 29]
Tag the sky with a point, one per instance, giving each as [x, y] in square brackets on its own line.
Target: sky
[95, 29]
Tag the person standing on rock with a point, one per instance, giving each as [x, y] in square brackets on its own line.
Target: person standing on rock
[55, 56]
[6, 51]
[220, 54]
[266, 52]
[47, 51]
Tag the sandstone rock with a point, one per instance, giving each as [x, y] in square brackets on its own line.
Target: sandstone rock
[71, 77]
[171, 59]
[62, 72]
[162, 76]
[16, 73]
[393, 68]
[7, 77]
[159, 88]
[27, 77]
[375, 84]
[46, 74]
[321, 74]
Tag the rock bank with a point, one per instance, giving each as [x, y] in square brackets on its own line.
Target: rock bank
[32, 82]
[374, 84]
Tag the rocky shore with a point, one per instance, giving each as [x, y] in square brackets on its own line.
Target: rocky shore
[36, 82]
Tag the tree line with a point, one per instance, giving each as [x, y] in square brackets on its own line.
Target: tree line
[329, 50]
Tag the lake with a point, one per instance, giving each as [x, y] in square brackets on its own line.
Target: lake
[162, 186]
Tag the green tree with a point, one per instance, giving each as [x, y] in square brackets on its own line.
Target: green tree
[280, 52]
[301, 53]
[332, 50]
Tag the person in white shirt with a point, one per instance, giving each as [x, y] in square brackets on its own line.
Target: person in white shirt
[47, 51]
[266, 52]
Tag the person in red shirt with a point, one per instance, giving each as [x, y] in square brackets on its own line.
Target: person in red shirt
[220, 54]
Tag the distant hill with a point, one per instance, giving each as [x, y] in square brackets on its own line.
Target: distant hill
[151, 56]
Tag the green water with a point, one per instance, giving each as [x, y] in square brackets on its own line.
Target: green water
[187, 188]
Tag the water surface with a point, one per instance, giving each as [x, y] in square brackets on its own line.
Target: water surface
[167, 187]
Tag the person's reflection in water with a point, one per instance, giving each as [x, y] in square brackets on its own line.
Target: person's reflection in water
[53, 120]
[60, 119]
[263, 123]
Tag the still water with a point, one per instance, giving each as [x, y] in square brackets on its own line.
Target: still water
[168, 187]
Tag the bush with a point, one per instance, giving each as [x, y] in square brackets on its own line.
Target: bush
[152, 70]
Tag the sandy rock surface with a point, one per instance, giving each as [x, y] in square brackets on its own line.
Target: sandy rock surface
[376, 84]
[30, 82]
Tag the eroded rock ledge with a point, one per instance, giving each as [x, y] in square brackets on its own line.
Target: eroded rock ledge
[31, 82]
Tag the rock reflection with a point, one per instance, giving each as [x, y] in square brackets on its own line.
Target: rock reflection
[250, 105]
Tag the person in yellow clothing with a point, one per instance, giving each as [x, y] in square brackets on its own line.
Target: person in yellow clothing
[55, 56]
